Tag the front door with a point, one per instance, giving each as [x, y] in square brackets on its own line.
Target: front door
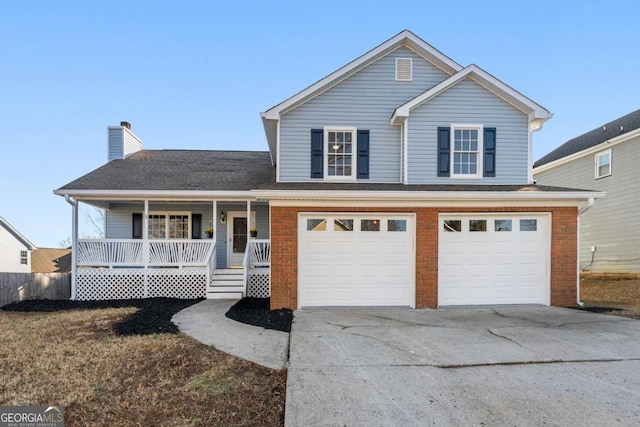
[237, 237]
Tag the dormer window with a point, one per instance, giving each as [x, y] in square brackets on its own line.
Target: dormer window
[339, 151]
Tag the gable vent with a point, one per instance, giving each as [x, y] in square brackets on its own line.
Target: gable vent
[404, 69]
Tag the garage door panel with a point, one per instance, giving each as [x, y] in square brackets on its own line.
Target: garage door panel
[356, 268]
[493, 267]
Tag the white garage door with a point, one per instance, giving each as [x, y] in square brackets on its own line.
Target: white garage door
[356, 259]
[493, 259]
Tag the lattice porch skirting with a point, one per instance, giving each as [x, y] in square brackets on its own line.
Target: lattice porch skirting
[259, 283]
[129, 283]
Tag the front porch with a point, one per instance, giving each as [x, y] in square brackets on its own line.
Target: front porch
[176, 249]
[127, 269]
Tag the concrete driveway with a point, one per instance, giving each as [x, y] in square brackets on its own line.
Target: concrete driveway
[462, 366]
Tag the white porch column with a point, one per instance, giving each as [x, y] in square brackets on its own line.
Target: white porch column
[214, 221]
[145, 247]
[74, 247]
[249, 225]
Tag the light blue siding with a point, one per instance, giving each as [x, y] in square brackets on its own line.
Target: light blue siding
[115, 137]
[611, 225]
[131, 144]
[468, 103]
[119, 221]
[365, 100]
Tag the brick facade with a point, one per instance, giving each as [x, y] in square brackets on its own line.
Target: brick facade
[284, 251]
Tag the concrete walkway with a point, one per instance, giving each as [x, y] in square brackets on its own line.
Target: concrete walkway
[518, 366]
[207, 323]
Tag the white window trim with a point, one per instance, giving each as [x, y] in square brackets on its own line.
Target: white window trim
[354, 153]
[597, 158]
[166, 219]
[24, 258]
[410, 79]
[480, 165]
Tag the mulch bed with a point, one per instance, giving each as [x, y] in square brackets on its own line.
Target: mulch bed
[153, 317]
[257, 312]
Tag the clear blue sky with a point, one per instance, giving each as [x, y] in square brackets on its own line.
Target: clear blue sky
[196, 74]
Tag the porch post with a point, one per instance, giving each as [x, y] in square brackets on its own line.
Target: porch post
[145, 247]
[214, 221]
[248, 220]
[74, 248]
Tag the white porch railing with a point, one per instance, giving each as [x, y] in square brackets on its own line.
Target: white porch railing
[257, 267]
[132, 268]
[131, 253]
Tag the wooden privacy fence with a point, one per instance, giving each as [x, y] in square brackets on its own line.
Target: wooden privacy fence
[23, 286]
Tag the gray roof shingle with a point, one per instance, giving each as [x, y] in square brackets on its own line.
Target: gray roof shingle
[188, 170]
[590, 139]
[209, 170]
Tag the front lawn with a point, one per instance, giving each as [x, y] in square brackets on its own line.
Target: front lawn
[76, 358]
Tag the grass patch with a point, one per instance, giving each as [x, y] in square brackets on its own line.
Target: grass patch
[76, 359]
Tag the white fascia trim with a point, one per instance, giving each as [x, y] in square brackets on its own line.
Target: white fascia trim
[274, 112]
[536, 111]
[423, 195]
[155, 195]
[588, 151]
[277, 152]
[412, 204]
[17, 234]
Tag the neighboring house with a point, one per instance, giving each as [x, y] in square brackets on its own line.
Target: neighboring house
[50, 260]
[401, 179]
[15, 250]
[604, 159]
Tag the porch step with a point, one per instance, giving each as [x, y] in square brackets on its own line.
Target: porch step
[226, 283]
[225, 295]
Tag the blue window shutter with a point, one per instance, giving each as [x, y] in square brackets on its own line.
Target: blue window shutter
[196, 226]
[444, 151]
[136, 232]
[317, 157]
[363, 154]
[489, 152]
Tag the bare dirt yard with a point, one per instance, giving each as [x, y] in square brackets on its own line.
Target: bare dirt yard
[75, 357]
[619, 295]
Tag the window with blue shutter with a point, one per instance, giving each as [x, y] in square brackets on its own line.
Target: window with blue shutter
[444, 151]
[489, 152]
[317, 157]
[363, 154]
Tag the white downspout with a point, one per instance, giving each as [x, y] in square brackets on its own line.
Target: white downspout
[74, 243]
[582, 210]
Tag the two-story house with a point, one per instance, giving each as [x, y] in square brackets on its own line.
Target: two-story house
[401, 179]
[603, 159]
[15, 250]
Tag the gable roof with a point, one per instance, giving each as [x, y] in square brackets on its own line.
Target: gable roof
[599, 135]
[4, 223]
[404, 38]
[537, 114]
[187, 171]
